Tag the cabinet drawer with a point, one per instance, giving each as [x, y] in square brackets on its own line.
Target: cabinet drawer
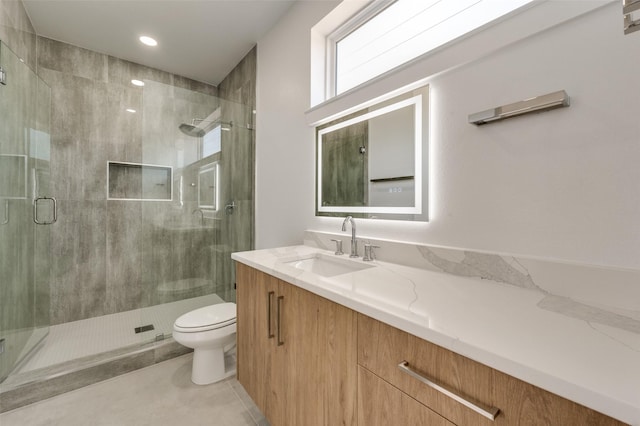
[381, 348]
[380, 404]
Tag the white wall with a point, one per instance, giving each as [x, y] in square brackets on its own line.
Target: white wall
[564, 184]
[285, 144]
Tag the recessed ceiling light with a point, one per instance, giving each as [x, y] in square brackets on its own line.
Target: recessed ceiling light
[138, 83]
[148, 41]
[131, 110]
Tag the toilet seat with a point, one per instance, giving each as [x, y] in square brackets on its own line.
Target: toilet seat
[208, 318]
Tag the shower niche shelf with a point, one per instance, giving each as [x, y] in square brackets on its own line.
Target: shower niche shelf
[137, 181]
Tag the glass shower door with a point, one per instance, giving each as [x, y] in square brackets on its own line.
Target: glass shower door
[207, 213]
[24, 178]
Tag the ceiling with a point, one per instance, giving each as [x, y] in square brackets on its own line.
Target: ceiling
[199, 39]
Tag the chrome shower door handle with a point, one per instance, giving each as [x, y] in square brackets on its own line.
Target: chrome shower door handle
[269, 303]
[35, 211]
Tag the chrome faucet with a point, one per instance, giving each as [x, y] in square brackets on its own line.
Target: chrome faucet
[354, 242]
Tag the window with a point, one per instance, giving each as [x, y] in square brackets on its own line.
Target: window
[404, 30]
[211, 142]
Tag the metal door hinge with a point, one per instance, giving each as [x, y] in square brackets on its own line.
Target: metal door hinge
[3, 76]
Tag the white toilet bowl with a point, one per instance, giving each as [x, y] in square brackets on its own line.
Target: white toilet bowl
[208, 331]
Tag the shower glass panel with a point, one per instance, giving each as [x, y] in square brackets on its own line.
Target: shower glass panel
[24, 246]
[186, 242]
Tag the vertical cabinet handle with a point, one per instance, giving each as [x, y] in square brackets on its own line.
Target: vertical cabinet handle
[482, 409]
[279, 317]
[35, 211]
[269, 303]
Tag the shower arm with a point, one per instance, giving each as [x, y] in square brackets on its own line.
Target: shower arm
[202, 120]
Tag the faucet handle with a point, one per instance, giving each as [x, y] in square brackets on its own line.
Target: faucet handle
[339, 251]
[369, 254]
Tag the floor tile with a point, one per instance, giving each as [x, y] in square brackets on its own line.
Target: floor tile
[158, 395]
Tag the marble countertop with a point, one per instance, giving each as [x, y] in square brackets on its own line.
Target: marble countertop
[497, 324]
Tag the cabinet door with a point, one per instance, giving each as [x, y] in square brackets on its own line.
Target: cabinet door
[319, 343]
[297, 352]
[260, 368]
[380, 404]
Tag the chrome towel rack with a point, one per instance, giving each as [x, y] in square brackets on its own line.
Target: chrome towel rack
[541, 103]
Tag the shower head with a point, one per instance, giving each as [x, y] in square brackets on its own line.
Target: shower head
[197, 131]
[191, 130]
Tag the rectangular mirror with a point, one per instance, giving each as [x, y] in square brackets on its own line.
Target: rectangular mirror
[374, 163]
[207, 187]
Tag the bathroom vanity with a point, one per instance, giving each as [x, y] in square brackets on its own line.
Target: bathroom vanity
[321, 345]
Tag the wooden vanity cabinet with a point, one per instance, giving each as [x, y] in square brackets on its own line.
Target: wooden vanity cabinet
[382, 347]
[256, 359]
[307, 361]
[297, 352]
[381, 404]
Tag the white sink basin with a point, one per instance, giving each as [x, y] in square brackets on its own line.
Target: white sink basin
[327, 266]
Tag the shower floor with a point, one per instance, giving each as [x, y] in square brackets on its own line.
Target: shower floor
[98, 335]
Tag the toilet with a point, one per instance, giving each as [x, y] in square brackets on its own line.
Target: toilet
[209, 331]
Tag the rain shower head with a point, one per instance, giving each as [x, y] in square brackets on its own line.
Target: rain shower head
[191, 130]
[197, 131]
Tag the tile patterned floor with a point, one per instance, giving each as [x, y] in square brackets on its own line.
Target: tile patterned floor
[158, 395]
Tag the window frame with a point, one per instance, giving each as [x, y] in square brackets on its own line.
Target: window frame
[350, 25]
[370, 11]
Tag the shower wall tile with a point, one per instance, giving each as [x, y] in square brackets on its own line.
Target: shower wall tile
[122, 72]
[65, 181]
[243, 76]
[122, 129]
[78, 282]
[125, 287]
[174, 254]
[195, 86]
[238, 147]
[135, 250]
[71, 60]
[17, 32]
[75, 115]
[124, 255]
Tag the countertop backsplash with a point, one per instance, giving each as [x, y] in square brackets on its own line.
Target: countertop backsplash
[601, 296]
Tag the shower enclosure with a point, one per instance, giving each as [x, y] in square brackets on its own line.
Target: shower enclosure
[137, 218]
[24, 181]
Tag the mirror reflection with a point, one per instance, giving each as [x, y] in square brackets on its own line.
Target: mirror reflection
[207, 187]
[372, 163]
